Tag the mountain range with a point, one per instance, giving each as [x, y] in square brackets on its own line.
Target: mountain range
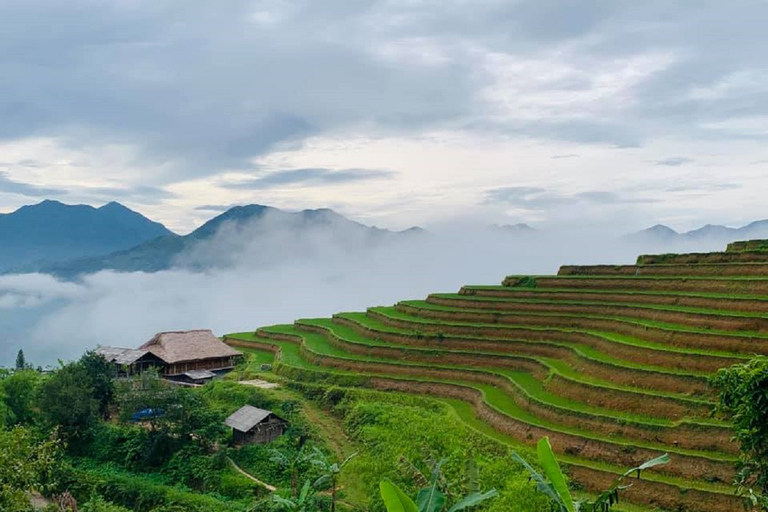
[72, 240]
[661, 234]
[149, 246]
[53, 232]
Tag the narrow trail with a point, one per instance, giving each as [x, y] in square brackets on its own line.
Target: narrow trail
[270, 488]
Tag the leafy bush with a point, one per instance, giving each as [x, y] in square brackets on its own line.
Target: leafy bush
[743, 392]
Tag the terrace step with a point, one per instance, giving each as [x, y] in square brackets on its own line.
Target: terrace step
[714, 349]
[728, 304]
[317, 349]
[704, 258]
[653, 489]
[706, 319]
[572, 373]
[492, 405]
[674, 270]
[729, 286]
[748, 245]
[521, 380]
[644, 375]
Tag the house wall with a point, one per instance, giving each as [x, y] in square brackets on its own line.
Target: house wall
[145, 363]
[265, 432]
[220, 363]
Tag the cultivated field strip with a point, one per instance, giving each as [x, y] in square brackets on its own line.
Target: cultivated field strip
[695, 284]
[673, 270]
[611, 363]
[704, 257]
[728, 304]
[748, 245]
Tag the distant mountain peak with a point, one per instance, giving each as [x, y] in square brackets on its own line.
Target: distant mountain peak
[52, 231]
[520, 227]
[661, 228]
[711, 232]
[114, 205]
[46, 204]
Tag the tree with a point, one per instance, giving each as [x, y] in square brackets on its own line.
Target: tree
[25, 466]
[76, 395]
[743, 399]
[430, 498]
[21, 362]
[66, 400]
[101, 374]
[180, 418]
[20, 393]
[555, 486]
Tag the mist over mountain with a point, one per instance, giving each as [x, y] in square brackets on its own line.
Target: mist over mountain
[256, 265]
[717, 235]
[241, 225]
[51, 231]
[71, 241]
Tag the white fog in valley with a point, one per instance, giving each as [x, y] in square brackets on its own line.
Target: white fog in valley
[255, 276]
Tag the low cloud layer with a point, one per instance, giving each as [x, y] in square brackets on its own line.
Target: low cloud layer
[268, 275]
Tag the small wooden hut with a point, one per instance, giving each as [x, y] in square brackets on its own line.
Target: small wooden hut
[251, 425]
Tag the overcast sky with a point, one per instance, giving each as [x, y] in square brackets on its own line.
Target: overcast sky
[616, 113]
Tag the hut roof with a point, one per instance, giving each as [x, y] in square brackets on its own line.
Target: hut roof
[247, 417]
[180, 346]
[121, 355]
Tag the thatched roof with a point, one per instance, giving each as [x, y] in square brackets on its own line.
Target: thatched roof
[247, 417]
[121, 356]
[181, 346]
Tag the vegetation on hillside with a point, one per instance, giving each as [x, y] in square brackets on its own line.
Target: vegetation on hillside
[435, 397]
[743, 392]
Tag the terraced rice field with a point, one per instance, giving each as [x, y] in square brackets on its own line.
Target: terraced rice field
[610, 362]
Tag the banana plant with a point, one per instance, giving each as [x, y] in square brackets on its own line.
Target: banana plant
[330, 473]
[554, 485]
[430, 498]
[304, 502]
[295, 463]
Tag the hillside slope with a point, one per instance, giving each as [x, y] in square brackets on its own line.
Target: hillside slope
[610, 362]
[241, 224]
[52, 232]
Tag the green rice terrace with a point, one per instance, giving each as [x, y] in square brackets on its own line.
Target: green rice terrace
[610, 362]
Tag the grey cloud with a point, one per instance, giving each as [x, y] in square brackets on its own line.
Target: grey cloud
[674, 161]
[603, 197]
[308, 177]
[216, 208]
[200, 89]
[705, 187]
[541, 199]
[134, 192]
[529, 197]
[562, 157]
[25, 189]
[197, 87]
[142, 194]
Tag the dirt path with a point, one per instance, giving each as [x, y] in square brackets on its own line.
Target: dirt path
[270, 488]
[331, 430]
[258, 383]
